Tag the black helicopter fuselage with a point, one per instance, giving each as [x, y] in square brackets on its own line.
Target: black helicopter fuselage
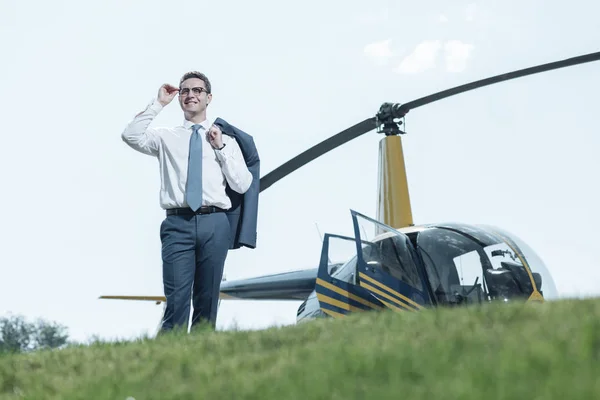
[427, 266]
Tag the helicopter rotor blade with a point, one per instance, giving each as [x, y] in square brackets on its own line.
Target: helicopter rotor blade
[316, 151]
[392, 111]
[499, 78]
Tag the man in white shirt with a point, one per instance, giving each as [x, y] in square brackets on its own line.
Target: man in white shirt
[196, 163]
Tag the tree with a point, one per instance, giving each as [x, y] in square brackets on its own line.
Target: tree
[49, 335]
[17, 335]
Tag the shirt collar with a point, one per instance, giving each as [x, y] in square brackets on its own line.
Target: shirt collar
[205, 124]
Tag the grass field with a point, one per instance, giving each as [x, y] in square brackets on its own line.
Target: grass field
[534, 351]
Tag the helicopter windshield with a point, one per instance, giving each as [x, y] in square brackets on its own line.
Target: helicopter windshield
[544, 282]
[465, 264]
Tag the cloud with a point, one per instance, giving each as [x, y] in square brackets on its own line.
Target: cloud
[421, 59]
[379, 51]
[442, 18]
[457, 54]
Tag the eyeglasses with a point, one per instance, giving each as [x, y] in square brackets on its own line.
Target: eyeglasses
[196, 90]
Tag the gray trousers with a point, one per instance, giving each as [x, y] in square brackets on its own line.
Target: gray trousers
[194, 249]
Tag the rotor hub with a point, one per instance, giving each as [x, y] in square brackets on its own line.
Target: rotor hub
[389, 118]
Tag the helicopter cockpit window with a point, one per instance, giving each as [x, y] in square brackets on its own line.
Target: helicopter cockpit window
[388, 251]
[467, 268]
[454, 264]
[508, 275]
[541, 276]
[393, 256]
[339, 251]
[346, 272]
[470, 278]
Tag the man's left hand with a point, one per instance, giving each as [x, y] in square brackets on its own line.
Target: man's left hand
[215, 137]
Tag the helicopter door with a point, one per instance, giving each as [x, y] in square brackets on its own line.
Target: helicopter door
[336, 287]
[388, 265]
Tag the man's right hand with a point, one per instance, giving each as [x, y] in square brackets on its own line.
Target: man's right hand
[166, 94]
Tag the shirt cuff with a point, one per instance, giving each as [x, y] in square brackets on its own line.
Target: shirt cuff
[224, 153]
[154, 106]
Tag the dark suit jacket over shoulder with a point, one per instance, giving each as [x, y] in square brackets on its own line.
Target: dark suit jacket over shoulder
[243, 215]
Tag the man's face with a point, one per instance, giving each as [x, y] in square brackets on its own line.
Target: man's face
[192, 96]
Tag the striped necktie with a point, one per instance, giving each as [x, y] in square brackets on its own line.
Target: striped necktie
[193, 190]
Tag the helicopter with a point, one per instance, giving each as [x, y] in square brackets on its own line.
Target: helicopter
[391, 263]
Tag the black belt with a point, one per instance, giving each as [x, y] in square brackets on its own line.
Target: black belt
[189, 211]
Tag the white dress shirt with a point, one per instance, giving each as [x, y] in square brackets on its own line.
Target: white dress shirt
[171, 147]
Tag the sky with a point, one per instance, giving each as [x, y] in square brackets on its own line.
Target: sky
[80, 208]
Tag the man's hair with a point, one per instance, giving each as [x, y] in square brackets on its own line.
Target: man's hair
[199, 75]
